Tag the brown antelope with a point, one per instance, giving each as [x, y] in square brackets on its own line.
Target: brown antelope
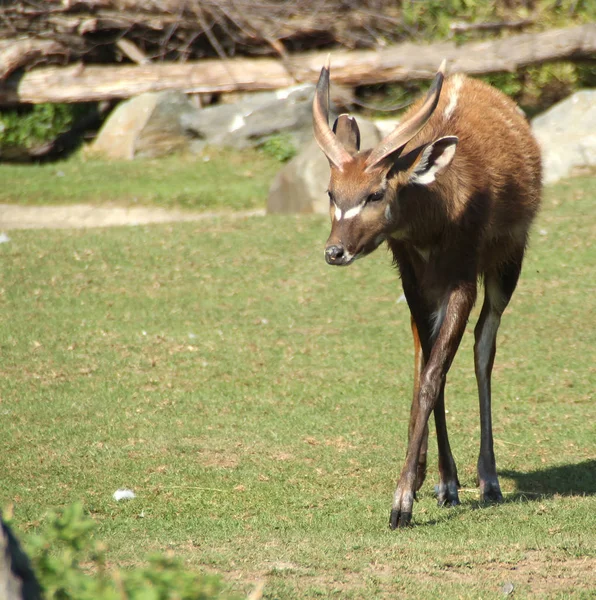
[452, 191]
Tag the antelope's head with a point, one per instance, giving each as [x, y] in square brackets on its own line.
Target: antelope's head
[364, 186]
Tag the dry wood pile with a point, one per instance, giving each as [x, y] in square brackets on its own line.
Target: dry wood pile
[112, 31]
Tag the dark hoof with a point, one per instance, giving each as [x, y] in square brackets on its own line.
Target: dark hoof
[447, 493]
[399, 519]
[490, 493]
[401, 509]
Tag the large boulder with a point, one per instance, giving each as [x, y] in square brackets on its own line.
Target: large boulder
[300, 186]
[148, 125]
[567, 136]
[253, 118]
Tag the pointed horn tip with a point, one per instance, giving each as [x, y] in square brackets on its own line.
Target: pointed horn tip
[442, 67]
[327, 62]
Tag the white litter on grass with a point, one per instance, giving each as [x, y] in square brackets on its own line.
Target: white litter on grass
[508, 588]
[4, 239]
[123, 494]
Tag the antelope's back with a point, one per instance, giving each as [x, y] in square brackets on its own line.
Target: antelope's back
[497, 156]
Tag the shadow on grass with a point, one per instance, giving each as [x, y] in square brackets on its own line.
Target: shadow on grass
[565, 480]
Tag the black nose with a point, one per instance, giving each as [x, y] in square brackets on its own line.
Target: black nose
[334, 254]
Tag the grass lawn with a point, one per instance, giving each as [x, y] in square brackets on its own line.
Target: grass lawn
[256, 401]
[181, 181]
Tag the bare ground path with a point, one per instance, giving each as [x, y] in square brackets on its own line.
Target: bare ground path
[78, 216]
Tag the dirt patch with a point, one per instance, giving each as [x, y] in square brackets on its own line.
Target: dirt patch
[541, 577]
[216, 459]
[536, 575]
[79, 216]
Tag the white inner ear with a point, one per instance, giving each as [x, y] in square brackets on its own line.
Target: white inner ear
[429, 166]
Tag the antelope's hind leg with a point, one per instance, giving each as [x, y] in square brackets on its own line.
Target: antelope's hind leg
[498, 289]
[447, 494]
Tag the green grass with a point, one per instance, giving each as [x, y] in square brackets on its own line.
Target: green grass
[181, 181]
[256, 401]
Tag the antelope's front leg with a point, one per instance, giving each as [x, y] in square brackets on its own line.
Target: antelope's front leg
[459, 304]
[418, 367]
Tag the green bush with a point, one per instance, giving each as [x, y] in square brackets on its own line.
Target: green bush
[432, 18]
[31, 125]
[280, 147]
[534, 88]
[66, 543]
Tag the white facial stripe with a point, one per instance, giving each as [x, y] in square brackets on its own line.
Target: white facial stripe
[337, 213]
[353, 212]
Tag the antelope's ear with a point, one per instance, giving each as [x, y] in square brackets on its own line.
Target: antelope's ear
[347, 132]
[434, 158]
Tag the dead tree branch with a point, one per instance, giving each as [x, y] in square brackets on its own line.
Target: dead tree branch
[352, 68]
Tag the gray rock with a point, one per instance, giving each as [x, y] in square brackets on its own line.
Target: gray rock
[163, 132]
[254, 118]
[17, 579]
[567, 136]
[300, 186]
[148, 125]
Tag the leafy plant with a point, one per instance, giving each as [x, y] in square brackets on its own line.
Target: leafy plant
[509, 83]
[71, 565]
[535, 88]
[280, 147]
[31, 125]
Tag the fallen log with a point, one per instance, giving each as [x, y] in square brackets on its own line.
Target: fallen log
[15, 53]
[80, 83]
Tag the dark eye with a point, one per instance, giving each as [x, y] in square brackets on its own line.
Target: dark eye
[331, 198]
[375, 197]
